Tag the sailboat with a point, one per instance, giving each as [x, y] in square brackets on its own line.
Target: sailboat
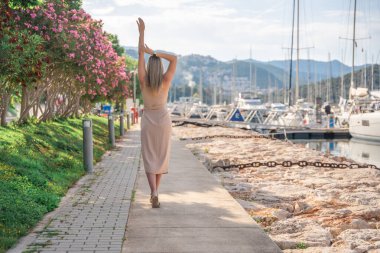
[364, 120]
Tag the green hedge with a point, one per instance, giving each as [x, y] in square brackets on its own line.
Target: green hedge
[38, 164]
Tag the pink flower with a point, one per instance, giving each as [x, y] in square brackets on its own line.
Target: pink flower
[35, 28]
[71, 55]
[65, 46]
[33, 15]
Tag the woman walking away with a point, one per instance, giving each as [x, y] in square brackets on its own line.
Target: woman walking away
[155, 122]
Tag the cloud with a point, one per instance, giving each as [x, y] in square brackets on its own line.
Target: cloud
[102, 11]
[226, 29]
[153, 3]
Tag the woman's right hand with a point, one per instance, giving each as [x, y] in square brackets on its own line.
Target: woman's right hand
[148, 50]
[140, 25]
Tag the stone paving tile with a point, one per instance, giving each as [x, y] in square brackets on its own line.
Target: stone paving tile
[94, 219]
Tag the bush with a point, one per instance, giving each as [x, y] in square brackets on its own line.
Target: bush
[38, 164]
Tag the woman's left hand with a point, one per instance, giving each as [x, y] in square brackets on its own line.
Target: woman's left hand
[140, 25]
[148, 50]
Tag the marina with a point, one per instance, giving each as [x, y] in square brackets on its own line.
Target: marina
[233, 126]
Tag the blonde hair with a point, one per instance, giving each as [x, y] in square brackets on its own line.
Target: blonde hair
[155, 72]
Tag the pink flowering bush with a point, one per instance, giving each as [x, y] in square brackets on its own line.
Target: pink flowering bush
[81, 61]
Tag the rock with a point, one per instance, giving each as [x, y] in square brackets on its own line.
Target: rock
[320, 250]
[367, 213]
[301, 207]
[343, 212]
[243, 186]
[359, 224]
[285, 206]
[291, 232]
[250, 205]
[361, 198]
[360, 240]
[281, 214]
[263, 197]
[217, 163]
[289, 192]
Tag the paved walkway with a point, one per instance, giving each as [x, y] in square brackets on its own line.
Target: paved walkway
[93, 216]
[197, 214]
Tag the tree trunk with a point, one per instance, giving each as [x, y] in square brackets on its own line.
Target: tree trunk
[24, 111]
[5, 99]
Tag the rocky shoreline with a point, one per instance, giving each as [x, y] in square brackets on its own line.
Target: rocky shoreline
[303, 209]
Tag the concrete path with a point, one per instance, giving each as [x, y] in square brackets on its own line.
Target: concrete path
[93, 215]
[197, 214]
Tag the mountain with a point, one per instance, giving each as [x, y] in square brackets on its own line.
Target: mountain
[319, 68]
[132, 52]
[267, 75]
[362, 78]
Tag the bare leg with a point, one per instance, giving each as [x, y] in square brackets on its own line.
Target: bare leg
[152, 183]
[158, 180]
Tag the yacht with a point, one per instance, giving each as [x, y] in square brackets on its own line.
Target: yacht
[364, 121]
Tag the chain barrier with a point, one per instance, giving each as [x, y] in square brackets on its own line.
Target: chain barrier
[269, 163]
[200, 124]
[229, 136]
[287, 164]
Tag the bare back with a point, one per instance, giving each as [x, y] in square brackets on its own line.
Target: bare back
[155, 100]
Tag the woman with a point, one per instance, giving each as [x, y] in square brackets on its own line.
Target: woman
[155, 122]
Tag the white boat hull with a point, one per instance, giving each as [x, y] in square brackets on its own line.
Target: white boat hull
[365, 126]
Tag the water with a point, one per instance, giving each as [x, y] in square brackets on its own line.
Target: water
[358, 150]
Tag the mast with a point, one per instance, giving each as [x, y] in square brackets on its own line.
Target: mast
[341, 79]
[329, 82]
[233, 82]
[298, 50]
[250, 70]
[284, 83]
[255, 81]
[214, 90]
[315, 84]
[365, 69]
[353, 52]
[269, 88]
[372, 74]
[291, 58]
[308, 75]
[201, 86]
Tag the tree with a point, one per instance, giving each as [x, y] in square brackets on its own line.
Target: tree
[115, 44]
[81, 63]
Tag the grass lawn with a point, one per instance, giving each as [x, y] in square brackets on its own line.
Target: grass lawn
[38, 164]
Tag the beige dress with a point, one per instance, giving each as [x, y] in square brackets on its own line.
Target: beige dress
[156, 129]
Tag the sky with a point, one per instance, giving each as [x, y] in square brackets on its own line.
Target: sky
[229, 29]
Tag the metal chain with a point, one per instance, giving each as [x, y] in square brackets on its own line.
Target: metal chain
[269, 163]
[228, 136]
[299, 163]
[200, 124]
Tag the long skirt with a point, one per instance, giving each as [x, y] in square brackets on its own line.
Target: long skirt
[156, 129]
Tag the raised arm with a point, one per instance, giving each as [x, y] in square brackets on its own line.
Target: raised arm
[141, 62]
[169, 74]
[172, 59]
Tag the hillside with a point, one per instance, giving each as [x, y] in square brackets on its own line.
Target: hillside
[359, 79]
[267, 75]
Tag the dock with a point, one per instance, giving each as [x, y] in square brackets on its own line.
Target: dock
[276, 131]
